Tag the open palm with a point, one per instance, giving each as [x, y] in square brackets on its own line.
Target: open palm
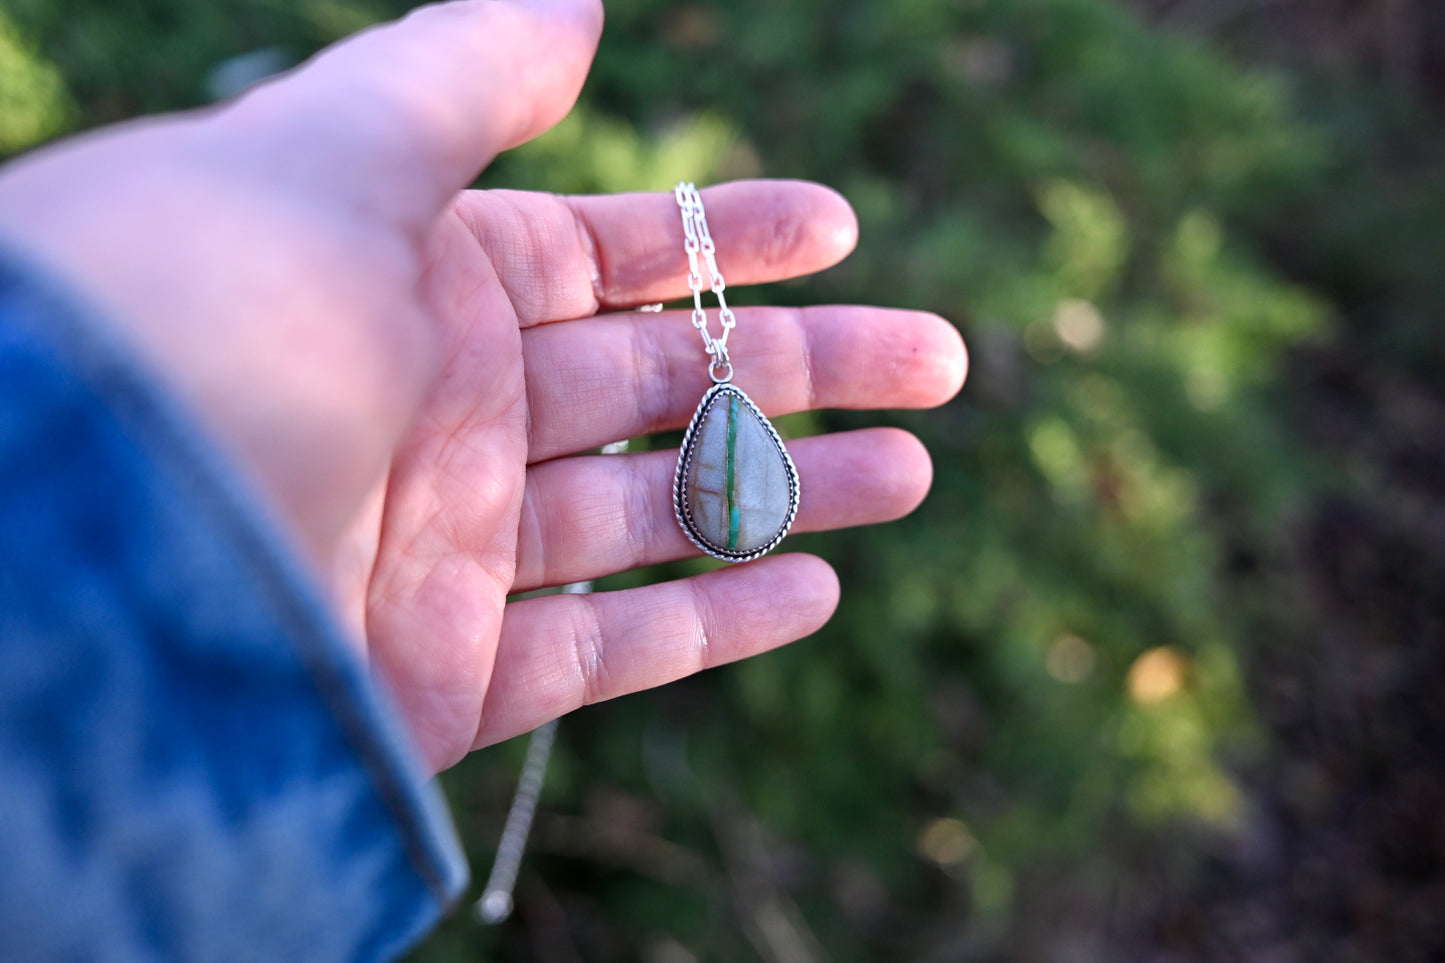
[409, 372]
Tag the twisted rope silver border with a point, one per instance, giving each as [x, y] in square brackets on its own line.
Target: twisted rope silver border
[683, 510]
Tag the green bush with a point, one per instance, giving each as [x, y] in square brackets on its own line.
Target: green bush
[1040, 671]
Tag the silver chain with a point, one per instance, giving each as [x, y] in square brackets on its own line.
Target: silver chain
[496, 903]
[698, 242]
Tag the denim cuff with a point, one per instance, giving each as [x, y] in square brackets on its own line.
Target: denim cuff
[194, 763]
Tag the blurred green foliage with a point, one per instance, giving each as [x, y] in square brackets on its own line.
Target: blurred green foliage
[33, 100]
[1040, 670]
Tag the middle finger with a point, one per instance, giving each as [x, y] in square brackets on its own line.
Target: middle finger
[597, 380]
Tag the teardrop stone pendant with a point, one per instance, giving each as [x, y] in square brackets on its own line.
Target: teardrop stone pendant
[736, 490]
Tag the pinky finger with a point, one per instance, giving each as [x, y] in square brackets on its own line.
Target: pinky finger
[561, 652]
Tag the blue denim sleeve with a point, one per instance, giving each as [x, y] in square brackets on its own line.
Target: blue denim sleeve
[193, 764]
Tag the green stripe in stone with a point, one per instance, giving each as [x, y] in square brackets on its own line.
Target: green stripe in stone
[734, 516]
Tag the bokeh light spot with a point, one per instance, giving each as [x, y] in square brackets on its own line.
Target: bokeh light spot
[1079, 325]
[947, 843]
[1069, 659]
[1156, 675]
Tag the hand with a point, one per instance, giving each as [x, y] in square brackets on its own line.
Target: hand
[406, 369]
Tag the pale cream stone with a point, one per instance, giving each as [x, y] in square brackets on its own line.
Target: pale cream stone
[763, 479]
[762, 491]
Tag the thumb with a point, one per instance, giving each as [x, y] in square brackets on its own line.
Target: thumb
[411, 111]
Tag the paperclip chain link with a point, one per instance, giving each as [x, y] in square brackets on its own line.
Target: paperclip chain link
[698, 242]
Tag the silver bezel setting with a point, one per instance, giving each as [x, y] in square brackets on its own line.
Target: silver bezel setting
[680, 504]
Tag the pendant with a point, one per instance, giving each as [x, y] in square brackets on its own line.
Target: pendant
[736, 490]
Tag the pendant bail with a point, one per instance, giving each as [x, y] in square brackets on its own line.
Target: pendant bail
[720, 369]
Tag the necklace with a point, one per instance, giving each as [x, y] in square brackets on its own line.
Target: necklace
[735, 492]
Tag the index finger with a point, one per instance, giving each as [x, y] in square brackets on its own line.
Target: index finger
[563, 258]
